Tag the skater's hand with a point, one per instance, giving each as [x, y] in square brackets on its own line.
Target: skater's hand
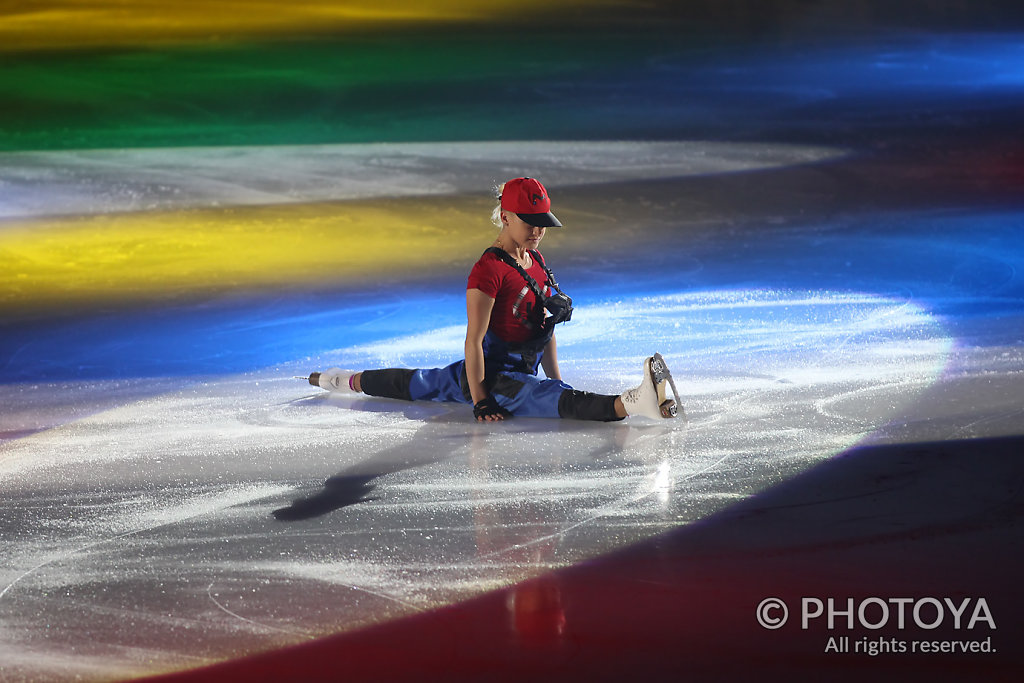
[488, 410]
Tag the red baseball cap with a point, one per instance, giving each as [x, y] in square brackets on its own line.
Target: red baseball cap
[527, 198]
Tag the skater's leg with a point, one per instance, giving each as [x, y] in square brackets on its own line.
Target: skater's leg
[527, 395]
[583, 405]
[440, 384]
[436, 384]
[390, 383]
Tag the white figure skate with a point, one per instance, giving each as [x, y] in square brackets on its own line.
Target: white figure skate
[334, 379]
[649, 398]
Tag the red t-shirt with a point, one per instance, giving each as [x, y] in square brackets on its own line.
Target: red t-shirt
[514, 301]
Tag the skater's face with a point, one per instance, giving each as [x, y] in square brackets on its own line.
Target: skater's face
[522, 233]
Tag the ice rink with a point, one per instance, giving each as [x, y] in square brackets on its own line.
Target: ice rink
[836, 286]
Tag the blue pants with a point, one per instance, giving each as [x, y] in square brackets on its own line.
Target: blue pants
[517, 392]
[520, 393]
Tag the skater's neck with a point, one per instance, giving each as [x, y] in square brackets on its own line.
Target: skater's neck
[519, 252]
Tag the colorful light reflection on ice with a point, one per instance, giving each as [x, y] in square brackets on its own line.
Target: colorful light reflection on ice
[783, 363]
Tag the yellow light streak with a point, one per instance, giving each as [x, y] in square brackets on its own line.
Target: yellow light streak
[61, 24]
[145, 257]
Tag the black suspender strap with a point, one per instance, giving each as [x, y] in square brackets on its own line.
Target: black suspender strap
[507, 258]
[551, 276]
[558, 305]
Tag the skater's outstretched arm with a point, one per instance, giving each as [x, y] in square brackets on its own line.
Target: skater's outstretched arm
[478, 313]
[550, 360]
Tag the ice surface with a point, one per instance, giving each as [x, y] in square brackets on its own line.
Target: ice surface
[106, 181]
[153, 523]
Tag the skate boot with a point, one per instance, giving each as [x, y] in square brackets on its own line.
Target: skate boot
[334, 379]
[649, 398]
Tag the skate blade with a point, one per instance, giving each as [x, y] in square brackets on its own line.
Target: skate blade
[660, 374]
[659, 369]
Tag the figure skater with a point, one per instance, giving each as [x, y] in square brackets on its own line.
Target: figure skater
[510, 334]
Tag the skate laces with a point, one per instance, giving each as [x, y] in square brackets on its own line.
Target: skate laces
[633, 395]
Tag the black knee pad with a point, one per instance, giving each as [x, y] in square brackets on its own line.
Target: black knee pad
[391, 383]
[583, 405]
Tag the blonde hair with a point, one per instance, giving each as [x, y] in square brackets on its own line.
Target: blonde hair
[496, 213]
